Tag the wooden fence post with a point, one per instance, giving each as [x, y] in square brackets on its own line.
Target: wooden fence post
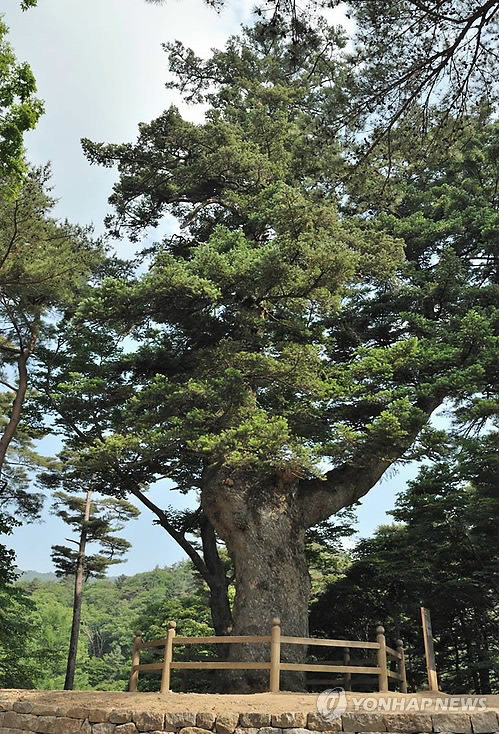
[382, 665]
[399, 646]
[134, 675]
[275, 655]
[347, 677]
[429, 650]
[168, 657]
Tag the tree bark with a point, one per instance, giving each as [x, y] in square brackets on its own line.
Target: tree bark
[262, 525]
[263, 520]
[78, 591]
[218, 583]
[22, 387]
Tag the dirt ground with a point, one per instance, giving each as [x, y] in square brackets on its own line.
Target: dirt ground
[215, 703]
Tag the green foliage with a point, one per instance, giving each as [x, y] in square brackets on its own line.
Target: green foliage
[44, 263]
[272, 333]
[445, 556]
[232, 318]
[112, 611]
[404, 57]
[18, 659]
[44, 266]
[326, 556]
[19, 112]
[107, 517]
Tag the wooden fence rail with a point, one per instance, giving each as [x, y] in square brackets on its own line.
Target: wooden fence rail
[274, 665]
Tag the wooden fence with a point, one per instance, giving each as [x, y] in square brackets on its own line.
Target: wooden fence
[274, 665]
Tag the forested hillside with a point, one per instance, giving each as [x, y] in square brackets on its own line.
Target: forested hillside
[112, 611]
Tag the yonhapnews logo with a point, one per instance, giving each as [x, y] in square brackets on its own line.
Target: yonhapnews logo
[332, 703]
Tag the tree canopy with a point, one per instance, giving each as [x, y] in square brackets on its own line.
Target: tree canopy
[44, 266]
[402, 55]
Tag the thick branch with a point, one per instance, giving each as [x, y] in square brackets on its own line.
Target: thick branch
[18, 402]
[219, 599]
[192, 216]
[342, 487]
[210, 549]
[346, 484]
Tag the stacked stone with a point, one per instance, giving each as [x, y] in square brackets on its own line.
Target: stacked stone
[38, 718]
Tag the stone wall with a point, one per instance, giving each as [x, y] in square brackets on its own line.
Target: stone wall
[31, 716]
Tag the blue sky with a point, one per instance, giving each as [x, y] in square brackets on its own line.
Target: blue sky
[101, 70]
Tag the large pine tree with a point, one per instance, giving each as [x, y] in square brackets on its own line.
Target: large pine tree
[292, 341]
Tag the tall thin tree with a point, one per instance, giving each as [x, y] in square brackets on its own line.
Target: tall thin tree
[77, 598]
[95, 521]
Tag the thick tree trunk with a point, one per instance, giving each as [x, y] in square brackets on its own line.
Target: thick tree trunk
[262, 525]
[78, 591]
[263, 520]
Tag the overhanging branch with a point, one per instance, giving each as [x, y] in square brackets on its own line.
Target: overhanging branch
[345, 485]
[175, 534]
